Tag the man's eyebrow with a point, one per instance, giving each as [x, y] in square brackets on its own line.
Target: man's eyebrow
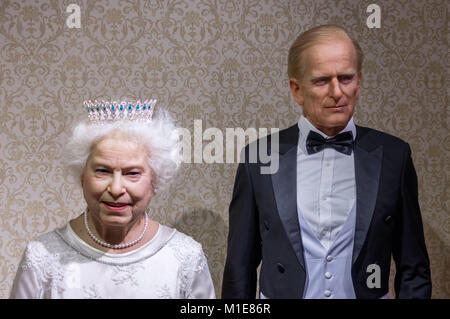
[349, 73]
[320, 77]
[327, 77]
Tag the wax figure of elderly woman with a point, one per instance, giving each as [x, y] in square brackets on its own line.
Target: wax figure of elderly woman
[113, 249]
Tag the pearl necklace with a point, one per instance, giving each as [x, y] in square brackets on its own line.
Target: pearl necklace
[117, 246]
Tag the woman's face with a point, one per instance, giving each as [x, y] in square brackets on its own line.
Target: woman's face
[117, 181]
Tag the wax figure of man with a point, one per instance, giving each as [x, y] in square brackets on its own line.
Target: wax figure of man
[343, 201]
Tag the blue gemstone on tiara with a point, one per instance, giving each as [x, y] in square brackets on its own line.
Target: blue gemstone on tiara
[137, 112]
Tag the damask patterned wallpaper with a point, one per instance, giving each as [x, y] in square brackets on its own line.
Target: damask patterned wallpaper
[220, 61]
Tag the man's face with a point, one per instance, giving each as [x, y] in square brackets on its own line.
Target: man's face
[329, 84]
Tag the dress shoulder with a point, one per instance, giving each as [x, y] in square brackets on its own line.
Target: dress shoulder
[195, 278]
[44, 248]
[185, 245]
[40, 264]
[187, 251]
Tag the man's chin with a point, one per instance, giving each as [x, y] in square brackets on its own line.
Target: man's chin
[334, 125]
[339, 118]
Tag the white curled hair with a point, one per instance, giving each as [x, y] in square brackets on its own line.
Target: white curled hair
[159, 136]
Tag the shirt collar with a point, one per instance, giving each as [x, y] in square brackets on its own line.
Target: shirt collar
[305, 126]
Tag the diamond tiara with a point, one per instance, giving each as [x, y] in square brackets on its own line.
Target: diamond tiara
[104, 111]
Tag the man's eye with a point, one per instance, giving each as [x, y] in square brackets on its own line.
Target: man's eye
[320, 82]
[346, 79]
[101, 170]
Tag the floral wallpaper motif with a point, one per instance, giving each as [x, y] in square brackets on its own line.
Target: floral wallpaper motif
[223, 62]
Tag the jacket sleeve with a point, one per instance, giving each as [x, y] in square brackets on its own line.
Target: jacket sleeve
[413, 278]
[244, 242]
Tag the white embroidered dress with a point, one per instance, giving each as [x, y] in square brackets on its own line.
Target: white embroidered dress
[59, 264]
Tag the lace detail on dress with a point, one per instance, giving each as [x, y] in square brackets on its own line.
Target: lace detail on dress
[91, 292]
[57, 266]
[192, 260]
[126, 275]
[164, 292]
[43, 257]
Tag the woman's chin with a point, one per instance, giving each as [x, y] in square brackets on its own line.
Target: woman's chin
[115, 217]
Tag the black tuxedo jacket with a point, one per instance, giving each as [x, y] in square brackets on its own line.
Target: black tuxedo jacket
[264, 226]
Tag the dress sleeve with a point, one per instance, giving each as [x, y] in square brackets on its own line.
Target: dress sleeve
[26, 284]
[202, 286]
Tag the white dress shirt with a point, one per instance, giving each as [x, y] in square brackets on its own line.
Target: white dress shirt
[326, 188]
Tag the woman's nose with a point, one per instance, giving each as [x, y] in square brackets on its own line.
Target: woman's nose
[116, 186]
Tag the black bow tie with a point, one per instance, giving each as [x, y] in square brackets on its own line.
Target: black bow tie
[342, 142]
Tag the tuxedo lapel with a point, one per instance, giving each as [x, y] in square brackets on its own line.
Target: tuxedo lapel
[368, 158]
[284, 183]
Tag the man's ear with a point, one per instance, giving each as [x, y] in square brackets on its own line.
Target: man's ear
[296, 90]
[359, 84]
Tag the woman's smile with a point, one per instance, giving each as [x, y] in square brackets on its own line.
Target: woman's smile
[115, 206]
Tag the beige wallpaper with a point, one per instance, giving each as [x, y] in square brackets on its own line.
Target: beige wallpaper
[219, 61]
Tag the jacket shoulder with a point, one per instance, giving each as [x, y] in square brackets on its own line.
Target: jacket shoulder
[370, 137]
[285, 138]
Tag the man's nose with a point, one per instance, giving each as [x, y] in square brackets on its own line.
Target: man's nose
[335, 89]
[116, 186]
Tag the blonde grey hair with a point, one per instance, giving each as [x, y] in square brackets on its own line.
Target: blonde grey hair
[312, 37]
[159, 136]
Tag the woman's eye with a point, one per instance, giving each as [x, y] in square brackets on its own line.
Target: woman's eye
[133, 173]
